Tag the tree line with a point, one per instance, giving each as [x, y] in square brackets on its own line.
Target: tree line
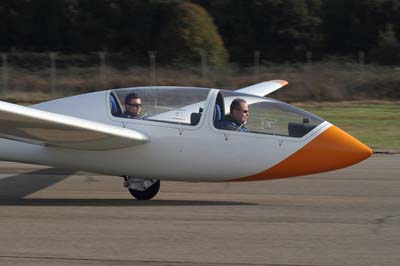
[223, 30]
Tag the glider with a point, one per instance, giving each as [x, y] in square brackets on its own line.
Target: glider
[178, 137]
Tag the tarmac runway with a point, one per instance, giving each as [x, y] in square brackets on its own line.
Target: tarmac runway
[58, 217]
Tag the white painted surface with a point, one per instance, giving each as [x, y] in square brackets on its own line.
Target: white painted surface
[174, 152]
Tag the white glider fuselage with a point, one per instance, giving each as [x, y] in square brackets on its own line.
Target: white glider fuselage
[184, 152]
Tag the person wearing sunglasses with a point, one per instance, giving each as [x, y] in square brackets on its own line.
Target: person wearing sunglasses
[133, 106]
[237, 119]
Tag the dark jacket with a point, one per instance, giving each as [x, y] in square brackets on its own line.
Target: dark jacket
[228, 123]
[129, 115]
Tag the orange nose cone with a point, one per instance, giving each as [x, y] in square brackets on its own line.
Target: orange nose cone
[332, 149]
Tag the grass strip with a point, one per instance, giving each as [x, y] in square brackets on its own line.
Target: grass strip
[375, 124]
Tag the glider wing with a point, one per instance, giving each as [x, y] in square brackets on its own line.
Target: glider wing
[39, 127]
[264, 88]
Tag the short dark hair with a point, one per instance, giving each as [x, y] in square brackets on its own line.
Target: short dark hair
[131, 96]
[236, 104]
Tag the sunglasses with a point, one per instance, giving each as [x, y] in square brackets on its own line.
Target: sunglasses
[243, 111]
[137, 105]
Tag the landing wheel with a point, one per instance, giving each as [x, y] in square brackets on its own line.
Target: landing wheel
[147, 194]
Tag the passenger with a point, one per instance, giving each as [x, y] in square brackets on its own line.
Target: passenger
[237, 119]
[133, 106]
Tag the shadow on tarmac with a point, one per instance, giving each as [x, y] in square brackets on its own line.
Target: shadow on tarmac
[115, 202]
[22, 185]
[14, 188]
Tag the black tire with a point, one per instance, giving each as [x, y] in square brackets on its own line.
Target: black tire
[148, 193]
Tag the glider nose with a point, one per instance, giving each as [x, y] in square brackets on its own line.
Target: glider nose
[339, 149]
[331, 150]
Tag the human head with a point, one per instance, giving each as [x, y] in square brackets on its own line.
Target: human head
[133, 104]
[239, 110]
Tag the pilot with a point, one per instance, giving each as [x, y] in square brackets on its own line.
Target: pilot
[133, 106]
[237, 119]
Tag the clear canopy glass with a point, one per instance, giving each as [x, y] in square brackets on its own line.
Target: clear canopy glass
[184, 105]
[269, 116]
[166, 104]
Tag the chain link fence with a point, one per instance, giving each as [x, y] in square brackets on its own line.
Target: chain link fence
[55, 74]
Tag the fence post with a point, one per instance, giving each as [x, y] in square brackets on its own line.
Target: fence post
[257, 55]
[309, 59]
[361, 57]
[152, 55]
[309, 84]
[361, 62]
[4, 74]
[103, 75]
[204, 67]
[53, 73]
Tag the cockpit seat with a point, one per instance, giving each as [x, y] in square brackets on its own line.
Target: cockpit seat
[217, 116]
[115, 110]
[218, 113]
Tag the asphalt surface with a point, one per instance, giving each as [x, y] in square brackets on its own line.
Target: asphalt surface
[58, 217]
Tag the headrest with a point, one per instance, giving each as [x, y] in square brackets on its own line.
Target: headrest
[217, 113]
[113, 105]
